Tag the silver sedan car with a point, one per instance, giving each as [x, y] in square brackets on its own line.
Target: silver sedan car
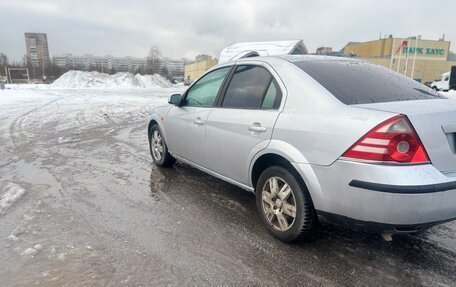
[318, 138]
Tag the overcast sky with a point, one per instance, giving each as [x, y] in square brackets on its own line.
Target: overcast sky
[187, 28]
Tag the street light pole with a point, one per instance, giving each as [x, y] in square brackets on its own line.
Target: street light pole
[407, 56]
[414, 58]
[400, 56]
[392, 53]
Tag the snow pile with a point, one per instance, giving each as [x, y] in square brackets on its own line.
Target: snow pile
[152, 81]
[81, 80]
[450, 94]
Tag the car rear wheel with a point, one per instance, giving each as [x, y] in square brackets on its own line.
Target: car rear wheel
[158, 148]
[284, 204]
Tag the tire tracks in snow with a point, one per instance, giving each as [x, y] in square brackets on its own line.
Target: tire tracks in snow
[15, 130]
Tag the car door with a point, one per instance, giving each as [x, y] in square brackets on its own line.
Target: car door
[242, 122]
[185, 124]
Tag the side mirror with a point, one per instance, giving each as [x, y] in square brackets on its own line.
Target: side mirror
[175, 99]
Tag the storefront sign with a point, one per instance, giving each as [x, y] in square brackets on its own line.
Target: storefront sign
[420, 50]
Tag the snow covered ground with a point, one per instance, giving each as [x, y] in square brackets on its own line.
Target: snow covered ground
[450, 94]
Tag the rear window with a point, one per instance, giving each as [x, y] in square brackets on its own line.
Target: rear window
[356, 82]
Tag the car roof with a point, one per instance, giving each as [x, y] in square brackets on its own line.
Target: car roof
[303, 58]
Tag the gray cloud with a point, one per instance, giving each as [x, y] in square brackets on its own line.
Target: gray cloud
[186, 28]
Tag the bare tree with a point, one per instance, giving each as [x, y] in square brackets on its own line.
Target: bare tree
[164, 72]
[154, 60]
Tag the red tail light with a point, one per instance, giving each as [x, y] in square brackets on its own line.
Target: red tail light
[393, 141]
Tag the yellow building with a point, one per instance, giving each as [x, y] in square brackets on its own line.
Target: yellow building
[422, 60]
[194, 70]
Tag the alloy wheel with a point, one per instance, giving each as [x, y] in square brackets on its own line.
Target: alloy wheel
[279, 203]
[157, 145]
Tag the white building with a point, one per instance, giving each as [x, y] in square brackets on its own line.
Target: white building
[103, 63]
[175, 66]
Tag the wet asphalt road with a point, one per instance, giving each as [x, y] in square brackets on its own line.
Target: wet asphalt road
[82, 205]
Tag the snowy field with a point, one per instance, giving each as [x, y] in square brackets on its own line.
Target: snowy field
[81, 204]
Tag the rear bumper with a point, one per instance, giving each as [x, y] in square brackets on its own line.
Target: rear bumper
[404, 189]
[381, 198]
[376, 226]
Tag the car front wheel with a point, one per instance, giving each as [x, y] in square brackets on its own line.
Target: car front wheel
[158, 148]
[284, 204]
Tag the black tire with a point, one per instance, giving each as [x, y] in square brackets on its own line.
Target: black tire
[165, 159]
[305, 219]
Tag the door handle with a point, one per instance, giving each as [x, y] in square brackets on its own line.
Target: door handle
[256, 127]
[198, 121]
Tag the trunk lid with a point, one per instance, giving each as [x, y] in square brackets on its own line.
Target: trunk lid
[435, 124]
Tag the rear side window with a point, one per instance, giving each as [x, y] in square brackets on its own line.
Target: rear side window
[273, 96]
[252, 87]
[356, 82]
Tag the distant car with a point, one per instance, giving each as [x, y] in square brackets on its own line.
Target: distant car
[447, 81]
[443, 84]
[428, 84]
[318, 137]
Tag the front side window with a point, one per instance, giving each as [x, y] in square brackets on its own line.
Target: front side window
[204, 92]
[249, 87]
